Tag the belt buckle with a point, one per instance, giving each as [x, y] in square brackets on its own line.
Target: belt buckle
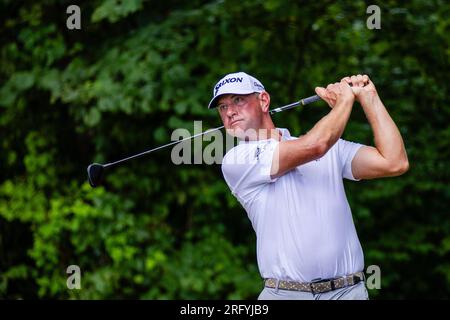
[357, 279]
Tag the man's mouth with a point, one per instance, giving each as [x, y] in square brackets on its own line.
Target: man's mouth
[234, 121]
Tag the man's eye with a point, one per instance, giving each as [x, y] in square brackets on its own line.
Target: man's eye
[222, 107]
[237, 100]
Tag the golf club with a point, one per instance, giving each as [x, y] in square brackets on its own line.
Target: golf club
[96, 171]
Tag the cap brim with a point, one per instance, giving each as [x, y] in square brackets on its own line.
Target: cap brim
[213, 103]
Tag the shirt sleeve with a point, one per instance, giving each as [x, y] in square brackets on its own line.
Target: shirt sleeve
[246, 168]
[347, 151]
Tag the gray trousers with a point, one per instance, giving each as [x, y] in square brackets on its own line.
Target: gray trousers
[355, 292]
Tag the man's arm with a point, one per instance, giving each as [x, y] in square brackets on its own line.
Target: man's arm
[314, 144]
[388, 158]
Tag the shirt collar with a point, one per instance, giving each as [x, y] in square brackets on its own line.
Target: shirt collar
[285, 135]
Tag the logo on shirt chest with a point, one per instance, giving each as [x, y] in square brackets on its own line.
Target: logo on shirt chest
[257, 152]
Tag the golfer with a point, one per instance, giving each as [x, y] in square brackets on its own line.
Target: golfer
[292, 187]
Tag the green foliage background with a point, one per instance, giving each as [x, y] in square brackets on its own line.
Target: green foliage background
[139, 69]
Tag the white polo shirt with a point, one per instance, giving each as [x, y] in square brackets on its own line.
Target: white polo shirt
[302, 220]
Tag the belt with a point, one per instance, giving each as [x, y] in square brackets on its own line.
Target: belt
[316, 286]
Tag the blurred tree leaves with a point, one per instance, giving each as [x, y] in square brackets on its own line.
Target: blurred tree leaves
[113, 10]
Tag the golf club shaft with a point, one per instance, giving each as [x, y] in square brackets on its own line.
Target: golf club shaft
[301, 102]
[296, 104]
[161, 147]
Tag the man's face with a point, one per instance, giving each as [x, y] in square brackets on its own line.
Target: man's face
[240, 113]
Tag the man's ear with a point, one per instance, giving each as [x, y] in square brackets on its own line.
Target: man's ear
[264, 101]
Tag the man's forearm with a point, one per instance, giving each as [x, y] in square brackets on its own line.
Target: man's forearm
[387, 137]
[331, 127]
[314, 144]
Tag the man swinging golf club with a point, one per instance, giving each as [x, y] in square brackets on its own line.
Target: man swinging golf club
[292, 188]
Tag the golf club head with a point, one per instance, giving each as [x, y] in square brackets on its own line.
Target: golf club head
[95, 174]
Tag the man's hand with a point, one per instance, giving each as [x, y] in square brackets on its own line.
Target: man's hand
[336, 92]
[363, 89]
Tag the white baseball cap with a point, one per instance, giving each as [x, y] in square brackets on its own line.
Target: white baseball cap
[235, 83]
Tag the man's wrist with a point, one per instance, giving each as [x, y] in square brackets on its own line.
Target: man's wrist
[371, 104]
[369, 101]
[346, 102]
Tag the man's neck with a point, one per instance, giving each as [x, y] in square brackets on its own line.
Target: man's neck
[262, 134]
[269, 133]
[268, 130]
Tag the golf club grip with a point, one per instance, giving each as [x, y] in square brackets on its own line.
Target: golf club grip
[311, 99]
[302, 102]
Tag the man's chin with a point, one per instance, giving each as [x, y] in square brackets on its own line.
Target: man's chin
[234, 132]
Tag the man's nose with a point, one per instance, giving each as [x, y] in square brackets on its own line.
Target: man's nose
[231, 110]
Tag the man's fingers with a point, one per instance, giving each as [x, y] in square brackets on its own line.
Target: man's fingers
[333, 88]
[325, 95]
[347, 80]
[357, 80]
[321, 92]
[360, 80]
[366, 79]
